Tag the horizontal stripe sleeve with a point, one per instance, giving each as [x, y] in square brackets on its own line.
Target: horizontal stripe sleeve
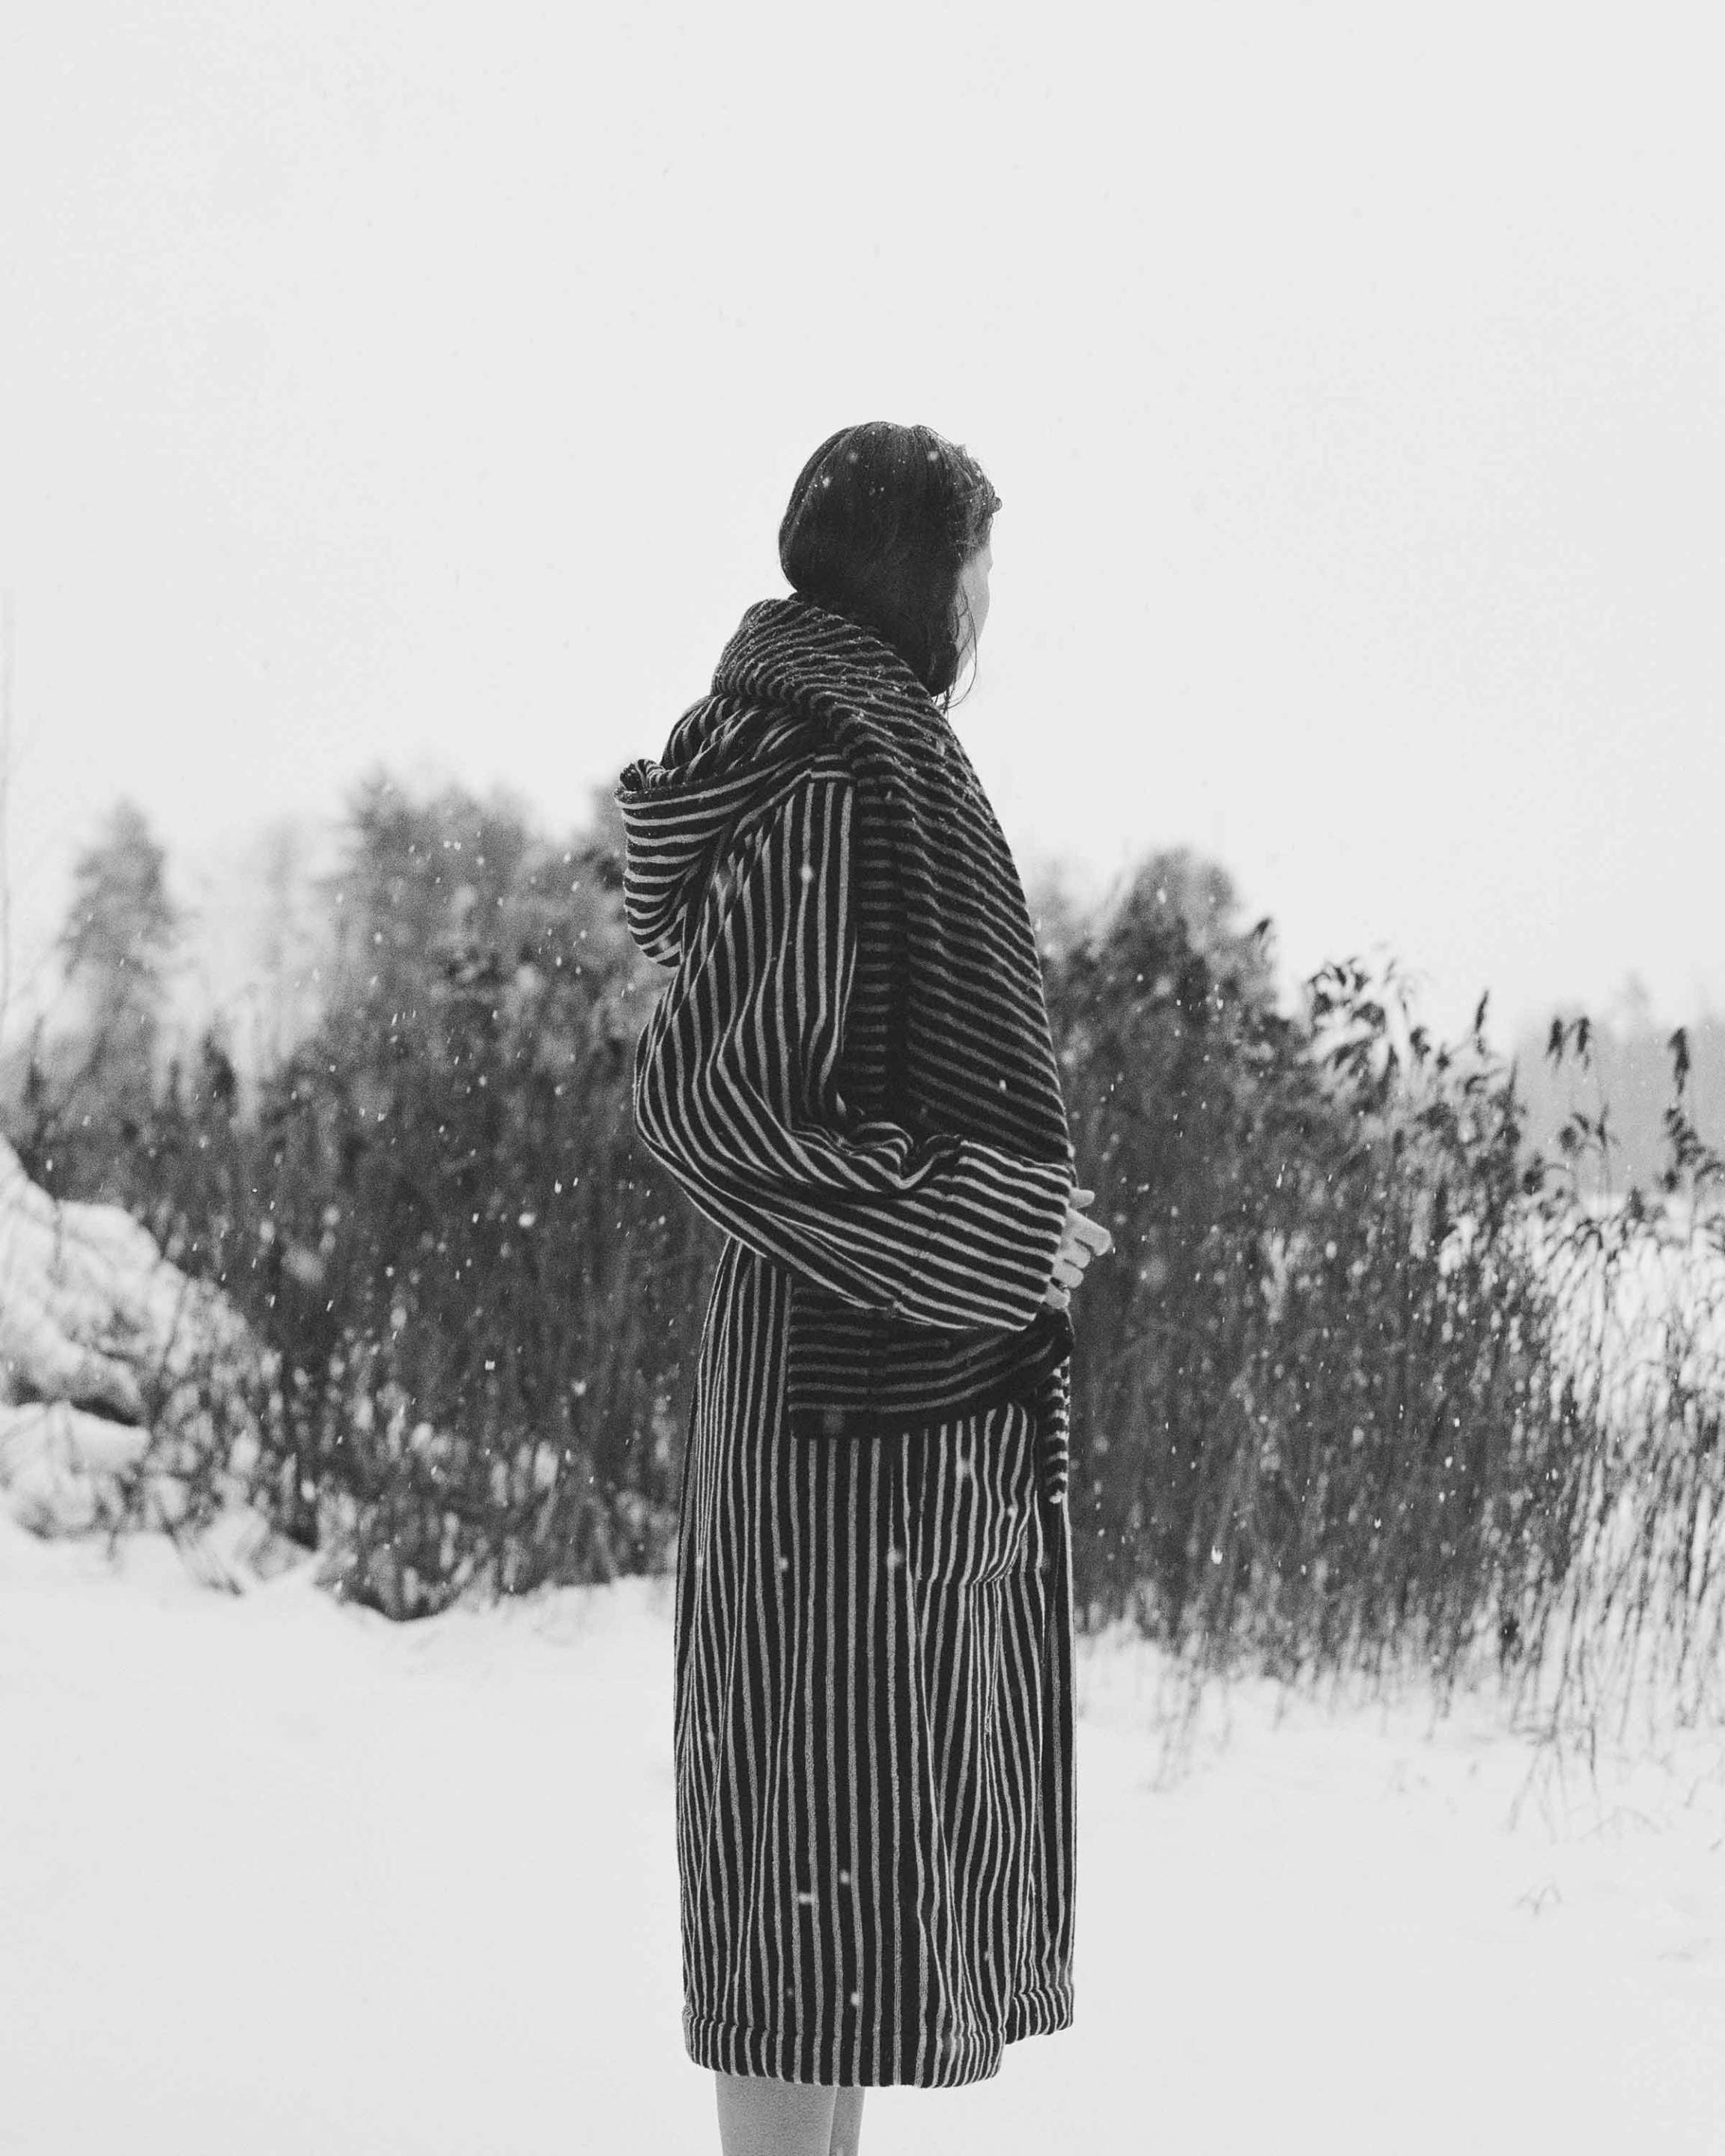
[735, 1094]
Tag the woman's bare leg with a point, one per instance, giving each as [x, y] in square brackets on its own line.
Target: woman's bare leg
[760, 2116]
[847, 2122]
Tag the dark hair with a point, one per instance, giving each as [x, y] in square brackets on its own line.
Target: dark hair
[881, 520]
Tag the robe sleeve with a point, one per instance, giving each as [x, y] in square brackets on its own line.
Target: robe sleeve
[734, 1094]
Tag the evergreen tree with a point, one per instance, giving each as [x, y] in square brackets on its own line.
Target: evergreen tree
[116, 946]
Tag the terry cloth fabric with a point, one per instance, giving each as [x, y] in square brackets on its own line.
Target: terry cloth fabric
[850, 1071]
[930, 1162]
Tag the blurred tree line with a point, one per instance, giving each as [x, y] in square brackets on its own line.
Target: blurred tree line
[474, 1297]
[1316, 1413]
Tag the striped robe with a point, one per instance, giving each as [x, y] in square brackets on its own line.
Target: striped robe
[873, 1734]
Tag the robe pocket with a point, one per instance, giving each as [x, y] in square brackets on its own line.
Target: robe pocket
[973, 1514]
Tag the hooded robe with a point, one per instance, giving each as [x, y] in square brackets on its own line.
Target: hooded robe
[851, 1072]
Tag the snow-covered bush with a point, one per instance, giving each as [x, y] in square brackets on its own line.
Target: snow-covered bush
[432, 1214]
[121, 1378]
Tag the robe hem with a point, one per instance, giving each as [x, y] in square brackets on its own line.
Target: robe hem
[724, 2047]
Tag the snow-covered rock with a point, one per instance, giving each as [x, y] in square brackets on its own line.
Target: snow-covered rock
[54, 1459]
[104, 1344]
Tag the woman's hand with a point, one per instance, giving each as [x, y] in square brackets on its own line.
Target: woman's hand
[1081, 1241]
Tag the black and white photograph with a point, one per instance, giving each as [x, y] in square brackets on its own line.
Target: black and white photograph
[862, 1080]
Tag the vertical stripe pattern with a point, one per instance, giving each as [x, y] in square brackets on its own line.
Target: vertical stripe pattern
[849, 1072]
[874, 1730]
[736, 1093]
[930, 1115]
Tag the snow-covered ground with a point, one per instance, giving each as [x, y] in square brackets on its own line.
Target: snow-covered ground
[277, 1876]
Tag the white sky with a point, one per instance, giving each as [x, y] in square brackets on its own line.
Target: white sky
[421, 387]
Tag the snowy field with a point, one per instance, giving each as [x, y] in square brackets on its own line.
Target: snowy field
[277, 1876]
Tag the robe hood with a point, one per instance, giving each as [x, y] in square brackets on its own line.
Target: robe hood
[779, 696]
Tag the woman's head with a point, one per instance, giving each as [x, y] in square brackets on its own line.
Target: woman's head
[888, 526]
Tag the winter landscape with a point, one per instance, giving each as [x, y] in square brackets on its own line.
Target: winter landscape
[398, 406]
[282, 1874]
[279, 1875]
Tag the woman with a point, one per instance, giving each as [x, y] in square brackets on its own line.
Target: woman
[851, 1072]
